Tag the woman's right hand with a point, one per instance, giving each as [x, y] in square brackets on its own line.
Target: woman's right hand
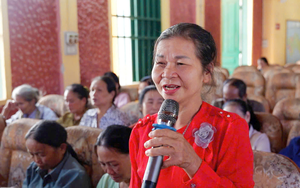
[8, 107]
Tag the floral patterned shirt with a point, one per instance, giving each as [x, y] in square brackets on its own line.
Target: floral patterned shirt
[111, 117]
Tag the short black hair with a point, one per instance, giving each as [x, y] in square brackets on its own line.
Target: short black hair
[239, 84]
[51, 133]
[114, 77]
[144, 91]
[111, 86]
[79, 90]
[115, 137]
[148, 80]
[244, 107]
[265, 60]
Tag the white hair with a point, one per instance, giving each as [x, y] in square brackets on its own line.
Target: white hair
[27, 92]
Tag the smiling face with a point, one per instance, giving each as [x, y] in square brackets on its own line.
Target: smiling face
[100, 95]
[177, 72]
[116, 164]
[45, 156]
[151, 103]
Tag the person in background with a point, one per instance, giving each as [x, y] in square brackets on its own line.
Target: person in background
[150, 100]
[55, 163]
[133, 109]
[145, 81]
[259, 141]
[121, 98]
[262, 63]
[112, 149]
[76, 99]
[236, 89]
[102, 94]
[25, 98]
[292, 150]
[207, 149]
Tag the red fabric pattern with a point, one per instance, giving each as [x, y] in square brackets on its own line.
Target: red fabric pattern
[34, 44]
[94, 48]
[182, 11]
[227, 161]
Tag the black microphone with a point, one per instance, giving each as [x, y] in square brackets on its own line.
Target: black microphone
[166, 119]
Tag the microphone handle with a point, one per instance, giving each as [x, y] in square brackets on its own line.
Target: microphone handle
[152, 172]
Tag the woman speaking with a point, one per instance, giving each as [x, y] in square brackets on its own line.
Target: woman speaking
[209, 148]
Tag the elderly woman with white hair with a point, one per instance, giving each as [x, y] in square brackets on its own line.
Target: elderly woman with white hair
[25, 99]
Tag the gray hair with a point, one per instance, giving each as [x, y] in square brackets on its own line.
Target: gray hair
[26, 92]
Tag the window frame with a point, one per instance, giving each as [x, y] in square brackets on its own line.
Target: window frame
[6, 48]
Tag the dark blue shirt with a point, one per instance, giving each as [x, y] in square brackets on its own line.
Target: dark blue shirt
[68, 173]
[292, 151]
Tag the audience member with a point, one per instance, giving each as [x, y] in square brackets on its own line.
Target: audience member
[55, 162]
[145, 81]
[112, 149]
[259, 141]
[76, 99]
[150, 100]
[292, 150]
[102, 94]
[207, 149]
[236, 89]
[133, 109]
[25, 99]
[262, 63]
[121, 98]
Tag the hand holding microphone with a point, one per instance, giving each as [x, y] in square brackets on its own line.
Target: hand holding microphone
[174, 145]
[166, 119]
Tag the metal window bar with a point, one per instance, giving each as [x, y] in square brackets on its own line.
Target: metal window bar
[145, 28]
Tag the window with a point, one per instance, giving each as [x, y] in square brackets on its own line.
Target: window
[136, 24]
[5, 69]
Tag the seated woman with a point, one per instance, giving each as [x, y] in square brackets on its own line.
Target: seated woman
[122, 98]
[112, 148]
[292, 150]
[133, 109]
[25, 99]
[76, 99]
[149, 103]
[259, 141]
[150, 100]
[102, 94]
[55, 162]
[144, 82]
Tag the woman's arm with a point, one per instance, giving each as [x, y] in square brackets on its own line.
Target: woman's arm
[135, 181]
[234, 165]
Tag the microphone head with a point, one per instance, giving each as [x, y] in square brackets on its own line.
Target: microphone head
[168, 112]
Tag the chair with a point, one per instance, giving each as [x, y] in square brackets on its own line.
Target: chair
[212, 91]
[2, 126]
[14, 158]
[288, 111]
[223, 70]
[289, 65]
[296, 68]
[254, 80]
[282, 85]
[271, 126]
[132, 90]
[245, 68]
[269, 71]
[261, 99]
[294, 132]
[274, 170]
[55, 102]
